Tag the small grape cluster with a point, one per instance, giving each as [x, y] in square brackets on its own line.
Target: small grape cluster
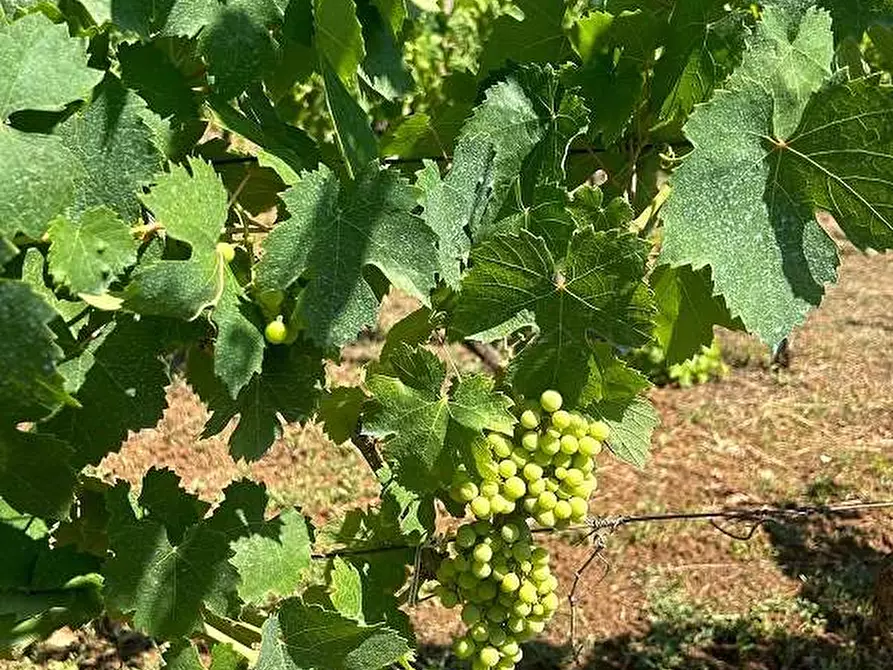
[505, 586]
[549, 471]
[503, 583]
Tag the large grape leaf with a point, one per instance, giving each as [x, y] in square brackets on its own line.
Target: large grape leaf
[271, 555]
[525, 122]
[334, 232]
[41, 67]
[289, 384]
[123, 390]
[352, 126]
[383, 67]
[539, 37]
[412, 417]
[164, 586]
[192, 207]
[339, 36]
[35, 474]
[38, 182]
[599, 289]
[42, 589]
[115, 149]
[237, 45]
[687, 310]
[704, 40]
[88, 253]
[765, 159]
[164, 500]
[307, 637]
[30, 386]
[853, 17]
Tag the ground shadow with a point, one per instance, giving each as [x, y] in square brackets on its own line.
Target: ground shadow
[837, 564]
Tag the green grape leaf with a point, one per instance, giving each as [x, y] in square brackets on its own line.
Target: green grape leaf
[339, 36]
[239, 347]
[538, 38]
[182, 655]
[87, 254]
[115, 148]
[308, 637]
[43, 589]
[412, 417]
[165, 501]
[190, 205]
[346, 589]
[225, 657]
[631, 422]
[687, 310]
[383, 68]
[474, 404]
[177, 289]
[38, 182]
[704, 41]
[150, 71]
[853, 17]
[339, 411]
[35, 474]
[352, 127]
[288, 385]
[123, 391]
[413, 329]
[755, 190]
[599, 289]
[41, 67]
[588, 208]
[164, 586]
[271, 555]
[335, 230]
[31, 386]
[413, 424]
[237, 44]
[610, 378]
[32, 274]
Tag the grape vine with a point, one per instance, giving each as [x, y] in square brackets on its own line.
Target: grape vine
[225, 192]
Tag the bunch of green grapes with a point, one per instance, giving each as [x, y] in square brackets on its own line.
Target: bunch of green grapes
[505, 587]
[700, 368]
[548, 471]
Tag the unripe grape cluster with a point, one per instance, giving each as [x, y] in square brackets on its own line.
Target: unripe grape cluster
[548, 472]
[503, 583]
[505, 587]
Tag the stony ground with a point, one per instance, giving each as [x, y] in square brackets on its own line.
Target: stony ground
[666, 595]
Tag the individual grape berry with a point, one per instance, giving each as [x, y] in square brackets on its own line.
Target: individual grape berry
[483, 553]
[569, 444]
[599, 430]
[514, 488]
[489, 656]
[480, 506]
[463, 648]
[276, 331]
[507, 469]
[530, 441]
[561, 420]
[551, 401]
[500, 445]
[529, 419]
